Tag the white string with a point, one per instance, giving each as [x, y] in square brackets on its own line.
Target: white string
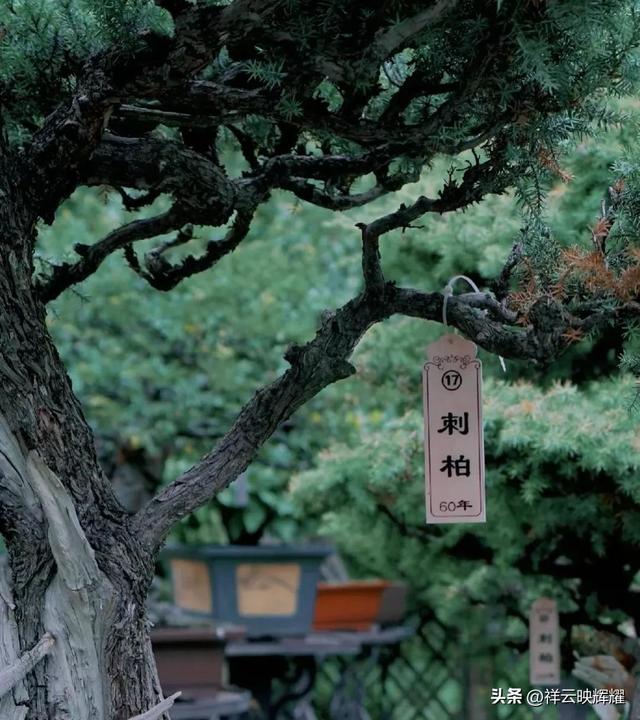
[448, 292]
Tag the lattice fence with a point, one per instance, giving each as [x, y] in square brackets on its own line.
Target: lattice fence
[432, 676]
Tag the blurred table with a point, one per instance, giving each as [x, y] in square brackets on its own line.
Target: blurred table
[292, 663]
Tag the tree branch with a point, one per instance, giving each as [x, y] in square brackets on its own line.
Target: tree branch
[386, 137]
[332, 201]
[11, 676]
[478, 180]
[371, 264]
[68, 274]
[196, 183]
[162, 275]
[323, 361]
[53, 163]
[214, 99]
[160, 709]
[501, 283]
[202, 194]
[393, 39]
[171, 167]
[155, 116]
[344, 200]
[154, 83]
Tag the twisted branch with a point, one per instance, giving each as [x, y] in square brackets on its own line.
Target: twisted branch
[68, 274]
[162, 275]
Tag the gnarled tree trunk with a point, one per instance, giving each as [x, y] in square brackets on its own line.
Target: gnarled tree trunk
[75, 570]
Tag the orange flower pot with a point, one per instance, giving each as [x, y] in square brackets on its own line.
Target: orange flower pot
[352, 605]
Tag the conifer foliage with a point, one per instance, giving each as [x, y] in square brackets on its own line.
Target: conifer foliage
[338, 104]
[192, 113]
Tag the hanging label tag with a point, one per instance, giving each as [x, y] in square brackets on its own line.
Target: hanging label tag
[544, 643]
[453, 439]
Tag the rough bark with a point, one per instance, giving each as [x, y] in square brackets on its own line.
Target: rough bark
[76, 570]
[79, 566]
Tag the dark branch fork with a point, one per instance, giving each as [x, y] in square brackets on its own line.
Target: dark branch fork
[325, 360]
[107, 134]
[157, 84]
